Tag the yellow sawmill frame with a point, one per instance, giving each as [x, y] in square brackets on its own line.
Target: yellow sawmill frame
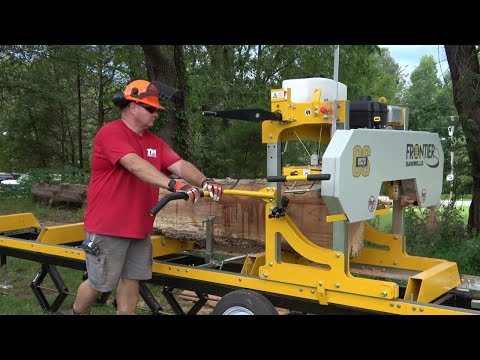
[297, 124]
[328, 280]
[314, 273]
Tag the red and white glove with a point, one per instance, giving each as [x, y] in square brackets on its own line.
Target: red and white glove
[180, 186]
[213, 188]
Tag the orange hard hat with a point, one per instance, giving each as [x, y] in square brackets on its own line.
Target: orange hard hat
[142, 91]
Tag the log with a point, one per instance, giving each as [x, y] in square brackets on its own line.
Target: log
[239, 223]
[73, 195]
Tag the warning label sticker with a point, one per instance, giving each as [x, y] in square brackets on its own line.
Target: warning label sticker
[278, 95]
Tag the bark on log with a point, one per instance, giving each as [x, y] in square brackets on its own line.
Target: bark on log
[240, 221]
[60, 194]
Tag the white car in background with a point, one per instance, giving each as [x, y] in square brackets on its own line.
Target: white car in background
[9, 182]
[14, 181]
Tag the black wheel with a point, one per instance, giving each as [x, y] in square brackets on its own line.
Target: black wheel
[244, 302]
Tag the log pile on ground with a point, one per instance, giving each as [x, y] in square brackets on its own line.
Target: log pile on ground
[71, 195]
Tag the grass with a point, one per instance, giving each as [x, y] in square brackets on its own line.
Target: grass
[44, 214]
[20, 299]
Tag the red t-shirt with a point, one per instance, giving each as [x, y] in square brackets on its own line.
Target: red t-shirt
[118, 201]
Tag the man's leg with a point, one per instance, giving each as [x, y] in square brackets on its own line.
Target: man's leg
[138, 266]
[103, 272]
[127, 296]
[86, 296]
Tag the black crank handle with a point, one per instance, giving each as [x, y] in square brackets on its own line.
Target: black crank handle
[312, 177]
[167, 198]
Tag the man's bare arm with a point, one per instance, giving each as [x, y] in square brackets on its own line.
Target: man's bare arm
[144, 170]
[187, 171]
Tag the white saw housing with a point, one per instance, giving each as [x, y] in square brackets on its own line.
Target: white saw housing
[360, 160]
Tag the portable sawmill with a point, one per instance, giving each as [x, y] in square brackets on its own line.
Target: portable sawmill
[367, 147]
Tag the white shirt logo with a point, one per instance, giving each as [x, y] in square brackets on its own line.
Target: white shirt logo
[152, 153]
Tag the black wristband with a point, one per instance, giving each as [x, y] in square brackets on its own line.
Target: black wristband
[171, 185]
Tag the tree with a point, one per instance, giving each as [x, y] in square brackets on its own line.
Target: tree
[53, 98]
[422, 95]
[167, 65]
[465, 72]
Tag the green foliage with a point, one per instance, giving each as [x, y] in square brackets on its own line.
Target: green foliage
[442, 235]
[422, 97]
[67, 174]
[54, 98]
[368, 70]
[431, 106]
[46, 123]
[382, 222]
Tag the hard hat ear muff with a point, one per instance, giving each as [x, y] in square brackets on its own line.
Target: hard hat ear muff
[134, 92]
[119, 100]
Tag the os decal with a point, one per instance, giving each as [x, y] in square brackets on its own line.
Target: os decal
[361, 165]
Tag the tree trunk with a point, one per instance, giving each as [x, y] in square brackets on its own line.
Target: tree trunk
[79, 120]
[101, 91]
[170, 69]
[465, 72]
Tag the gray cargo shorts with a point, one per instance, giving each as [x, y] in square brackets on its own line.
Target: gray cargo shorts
[118, 258]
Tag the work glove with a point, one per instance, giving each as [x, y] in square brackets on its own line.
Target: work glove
[213, 188]
[180, 186]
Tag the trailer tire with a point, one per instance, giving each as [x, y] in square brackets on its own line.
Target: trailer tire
[244, 302]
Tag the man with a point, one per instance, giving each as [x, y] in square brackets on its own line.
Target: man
[129, 164]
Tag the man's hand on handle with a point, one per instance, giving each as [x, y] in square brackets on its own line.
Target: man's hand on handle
[213, 188]
[180, 186]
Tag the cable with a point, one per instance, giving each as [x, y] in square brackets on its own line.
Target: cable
[300, 192]
[319, 142]
[302, 144]
[244, 162]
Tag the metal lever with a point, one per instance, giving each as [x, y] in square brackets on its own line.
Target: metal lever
[253, 115]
